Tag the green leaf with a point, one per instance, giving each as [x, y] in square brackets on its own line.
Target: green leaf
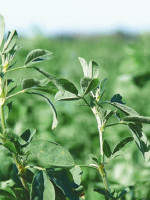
[42, 188]
[103, 86]
[140, 139]
[11, 42]
[36, 56]
[84, 66]
[76, 173]
[117, 98]
[122, 143]
[10, 146]
[55, 122]
[93, 70]
[62, 84]
[106, 149]
[139, 119]
[46, 154]
[2, 29]
[27, 136]
[93, 158]
[64, 180]
[88, 84]
[104, 192]
[125, 109]
[66, 96]
[68, 86]
[29, 83]
[5, 193]
[125, 191]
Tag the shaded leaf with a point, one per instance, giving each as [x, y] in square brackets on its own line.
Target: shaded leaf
[76, 173]
[104, 192]
[106, 149]
[117, 98]
[42, 188]
[64, 180]
[36, 56]
[139, 119]
[88, 84]
[29, 83]
[10, 146]
[11, 41]
[49, 154]
[125, 191]
[2, 29]
[55, 122]
[140, 139]
[66, 96]
[27, 136]
[122, 143]
[5, 193]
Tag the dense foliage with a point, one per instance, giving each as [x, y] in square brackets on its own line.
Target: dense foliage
[125, 61]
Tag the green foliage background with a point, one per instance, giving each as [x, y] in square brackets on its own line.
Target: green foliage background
[125, 60]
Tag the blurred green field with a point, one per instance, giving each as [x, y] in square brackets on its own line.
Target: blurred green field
[125, 61]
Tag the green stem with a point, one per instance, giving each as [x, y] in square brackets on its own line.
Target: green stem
[17, 68]
[20, 92]
[2, 118]
[101, 168]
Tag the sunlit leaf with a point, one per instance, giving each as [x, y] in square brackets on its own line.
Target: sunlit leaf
[46, 154]
[36, 56]
[93, 70]
[11, 42]
[2, 29]
[66, 96]
[84, 66]
[140, 119]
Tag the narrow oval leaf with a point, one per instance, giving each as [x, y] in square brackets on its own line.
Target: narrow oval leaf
[140, 139]
[122, 143]
[5, 193]
[66, 96]
[62, 84]
[2, 29]
[106, 149]
[36, 56]
[29, 83]
[88, 84]
[46, 154]
[68, 86]
[93, 70]
[141, 119]
[10, 146]
[11, 41]
[84, 66]
[125, 109]
[42, 188]
[55, 121]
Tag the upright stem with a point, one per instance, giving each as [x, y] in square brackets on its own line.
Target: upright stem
[2, 118]
[100, 130]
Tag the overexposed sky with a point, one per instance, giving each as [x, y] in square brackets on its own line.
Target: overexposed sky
[76, 16]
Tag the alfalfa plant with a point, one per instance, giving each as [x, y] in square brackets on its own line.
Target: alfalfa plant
[44, 170]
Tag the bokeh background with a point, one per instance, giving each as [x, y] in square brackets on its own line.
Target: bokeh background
[116, 34]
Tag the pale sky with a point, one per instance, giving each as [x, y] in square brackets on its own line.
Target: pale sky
[76, 16]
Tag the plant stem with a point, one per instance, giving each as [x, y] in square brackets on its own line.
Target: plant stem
[2, 118]
[101, 168]
[14, 69]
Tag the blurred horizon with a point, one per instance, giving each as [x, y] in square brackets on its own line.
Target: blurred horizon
[76, 17]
